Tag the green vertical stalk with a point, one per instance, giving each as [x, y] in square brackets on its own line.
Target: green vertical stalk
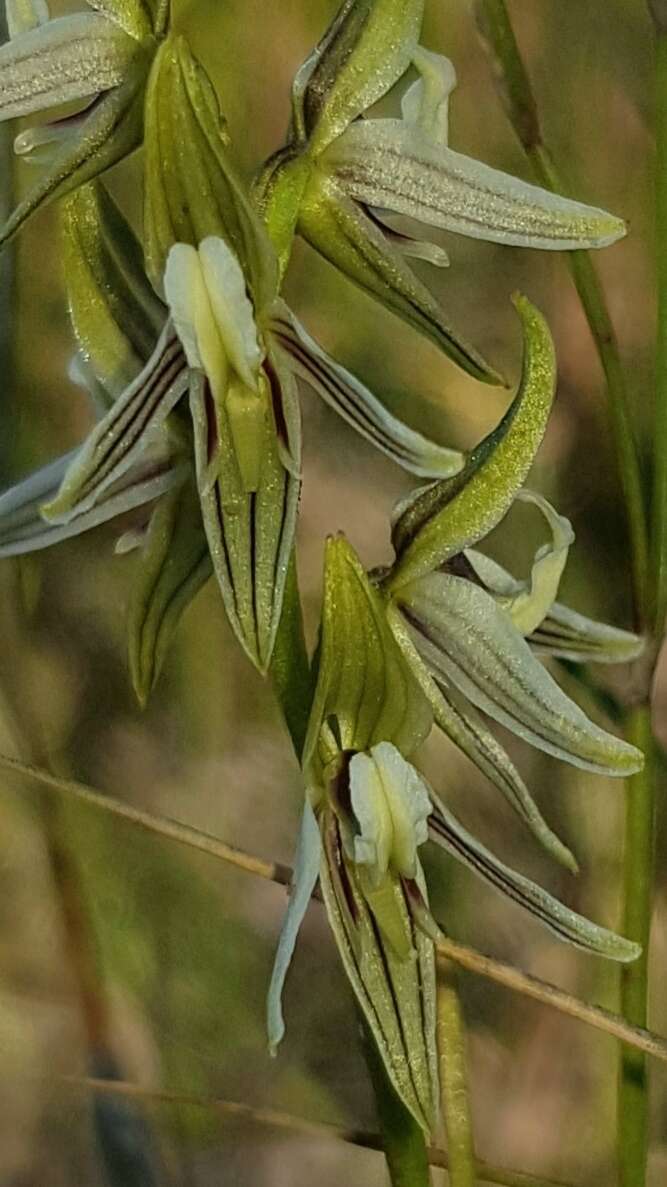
[660, 481]
[519, 100]
[649, 610]
[633, 1098]
[454, 1080]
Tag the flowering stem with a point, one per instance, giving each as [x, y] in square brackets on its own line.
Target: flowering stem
[660, 482]
[454, 1080]
[521, 106]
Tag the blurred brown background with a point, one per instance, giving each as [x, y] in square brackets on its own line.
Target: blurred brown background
[183, 945]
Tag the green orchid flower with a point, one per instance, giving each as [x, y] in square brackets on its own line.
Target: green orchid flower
[218, 337]
[368, 812]
[471, 632]
[342, 177]
[101, 56]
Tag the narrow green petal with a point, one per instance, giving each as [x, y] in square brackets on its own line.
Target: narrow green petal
[395, 994]
[392, 164]
[367, 48]
[173, 564]
[562, 920]
[250, 533]
[24, 530]
[466, 729]
[343, 392]
[530, 604]
[363, 681]
[306, 872]
[70, 58]
[110, 131]
[344, 234]
[468, 641]
[563, 633]
[133, 426]
[425, 105]
[115, 314]
[448, 516]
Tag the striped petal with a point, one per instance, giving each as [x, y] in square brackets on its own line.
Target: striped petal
[464, 727]
[357, 405]
[66, 59]
[466, 640]
[395, 165]
[566, 923]
[23, 530]
[129, 429]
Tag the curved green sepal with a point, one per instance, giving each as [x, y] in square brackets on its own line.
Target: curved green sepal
[115, 314]
[174, 563]
[367, 48]
[343, 233]
[364, 685]
[448, 516]
[192, 188]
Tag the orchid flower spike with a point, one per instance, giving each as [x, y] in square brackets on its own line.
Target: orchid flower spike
[471, 632]
[99, 57]
[218, 335]
[342, 177]
[368, 811]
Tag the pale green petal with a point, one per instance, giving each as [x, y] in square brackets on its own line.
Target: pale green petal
[70, 58]
[562, 920]
[132, 15]
[563, 634]
[306, 873]
[457, 718]
[232, 309]
[392, 164]
[406, 244]
[23, 15]
[425, 104]
[532, 602]
[341, 231]
[343, 392]
[442, 520]
[364, 683]
[467, 640]
[133, 425]
[367, 48]
[23, 529]
[391, 806]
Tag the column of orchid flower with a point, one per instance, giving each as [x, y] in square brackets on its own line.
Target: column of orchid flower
[193, 358]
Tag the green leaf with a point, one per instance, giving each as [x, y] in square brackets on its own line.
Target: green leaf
[448, 516]
[192, 188]
[115, 314]
[363, 683]
[467, 640]
[403, 1139]
[367, 48]
[343, 233]
[174, 563]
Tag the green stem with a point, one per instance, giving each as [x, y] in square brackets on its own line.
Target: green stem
[660, 482]
[633, 1100]
[520, 102]
[454, 1080]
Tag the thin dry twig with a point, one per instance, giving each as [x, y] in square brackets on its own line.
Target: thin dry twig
[468, 958]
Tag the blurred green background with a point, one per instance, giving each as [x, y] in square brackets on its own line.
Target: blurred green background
[179, 947]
